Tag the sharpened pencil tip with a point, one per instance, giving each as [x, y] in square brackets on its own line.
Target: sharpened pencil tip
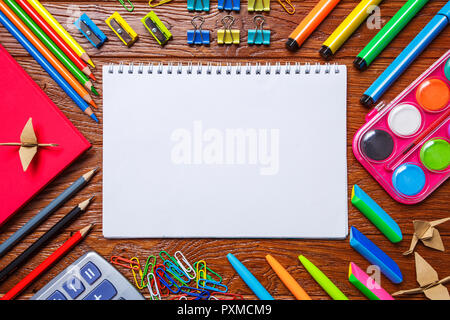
[94, 91]
[86, 229]
[83, 205]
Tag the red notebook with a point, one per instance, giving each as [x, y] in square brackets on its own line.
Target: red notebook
[20, 99]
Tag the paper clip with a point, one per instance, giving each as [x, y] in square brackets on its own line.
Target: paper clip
[206, 269]
[117, 261]
[198, 5]
[228, 35]
[141, 275]
[198, 36]
[185, 265]
[164, 293]
[290, 11]
[161, 274]
[130, 8]
[233, 296]
[258, 5]
[158, 4]
[258, 35]
[202, 294]
[229, 5]
[223, 287]
[200, 271]
[175, 271]
[154, 294]
[169, 257]
[147, 265]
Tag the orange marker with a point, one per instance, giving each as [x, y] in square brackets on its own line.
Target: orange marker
[310, 23]
[287, 279]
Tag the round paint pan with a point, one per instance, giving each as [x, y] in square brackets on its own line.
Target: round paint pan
[447, 69]
[435, 154]
[433, 95]
[404, 120]
[377, 144]
[409, 179]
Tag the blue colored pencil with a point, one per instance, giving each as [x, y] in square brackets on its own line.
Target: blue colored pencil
[47, 66]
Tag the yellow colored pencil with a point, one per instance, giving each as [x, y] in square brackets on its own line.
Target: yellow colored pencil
[61, 31]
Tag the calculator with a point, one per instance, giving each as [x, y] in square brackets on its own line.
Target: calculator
[89, 278]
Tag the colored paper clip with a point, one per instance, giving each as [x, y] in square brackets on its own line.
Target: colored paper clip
[175, 271]
[201, 295]
[228, 35]
[258, 35]
[229, 5]
[185, 265]
[156, 28]
[122, 29]
[198, 36]
[200, 270]
[117, 261]
[141, 274]
[129, 8]
[198, 5]
[163, 253]
[163, 290]
[258, 5]
[161, 274]
[147, 266]
[290, 10]
[232, 296]
[154, 292]
[90, 30]
[158, 4]
[205, 282]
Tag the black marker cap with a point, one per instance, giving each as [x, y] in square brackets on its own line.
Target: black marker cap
[326, 52]
[360, 63]
[292, 45]
[366, 100]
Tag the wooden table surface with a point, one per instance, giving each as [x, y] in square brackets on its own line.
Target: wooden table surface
[332, 257]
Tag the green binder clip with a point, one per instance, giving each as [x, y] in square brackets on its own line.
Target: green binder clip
[258, 5]
[156, 28]
[258, 35]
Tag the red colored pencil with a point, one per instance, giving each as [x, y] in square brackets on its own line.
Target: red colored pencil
[47, 263]
[28, 8]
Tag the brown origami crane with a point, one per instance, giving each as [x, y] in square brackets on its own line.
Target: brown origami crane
[28, 144]
[428, 234]
[429, 282]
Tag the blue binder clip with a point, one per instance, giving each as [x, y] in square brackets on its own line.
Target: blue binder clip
[198, 36]
[90, 30]
[229, 5]
[198, 5]
[258, 35]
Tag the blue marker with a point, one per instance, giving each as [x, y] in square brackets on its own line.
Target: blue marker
[249, 279]
[407, 56]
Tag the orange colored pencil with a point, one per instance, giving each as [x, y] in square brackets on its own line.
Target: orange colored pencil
[46, 53]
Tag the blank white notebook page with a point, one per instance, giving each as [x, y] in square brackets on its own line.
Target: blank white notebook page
[230, 151]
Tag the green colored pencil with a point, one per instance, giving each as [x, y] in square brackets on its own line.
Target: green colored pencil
[81, 77]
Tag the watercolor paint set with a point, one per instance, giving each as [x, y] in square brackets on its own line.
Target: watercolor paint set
[405, 144]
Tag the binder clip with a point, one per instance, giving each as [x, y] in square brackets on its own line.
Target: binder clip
[122, 29]
[228, 35]
[198, 5]
[258, 5]
[198, 36]
[90, 30]
[290, 10]
[229, 5]
[157, 29]
[258, 35]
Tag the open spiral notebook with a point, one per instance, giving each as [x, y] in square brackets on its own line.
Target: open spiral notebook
[224, 151]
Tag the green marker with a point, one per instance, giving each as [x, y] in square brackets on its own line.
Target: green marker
[322, 280]
[388, 33]
[44, 38]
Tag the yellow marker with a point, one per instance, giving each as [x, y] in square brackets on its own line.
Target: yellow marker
[61, 31]
[347, 27]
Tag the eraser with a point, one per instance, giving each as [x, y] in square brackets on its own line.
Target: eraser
[375, 255]
[376, 214]
[368, 286]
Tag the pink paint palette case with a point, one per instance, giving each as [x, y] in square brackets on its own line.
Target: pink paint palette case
[405, 145]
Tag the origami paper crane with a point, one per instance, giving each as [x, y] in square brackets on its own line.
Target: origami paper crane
[428, 234]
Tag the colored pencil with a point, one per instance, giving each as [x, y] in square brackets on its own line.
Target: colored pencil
[287, 279]
[47, 263]
[46, 66]
[54, 49]
[56, 38]
[34, 222]
[46, 53]
[33, 249]
[61, 31]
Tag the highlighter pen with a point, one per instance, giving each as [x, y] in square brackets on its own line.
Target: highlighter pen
[249, 279]
[388, 33]
[287, 279]
[311, 22]
[407, 56]
[347, 27]
[322, 280]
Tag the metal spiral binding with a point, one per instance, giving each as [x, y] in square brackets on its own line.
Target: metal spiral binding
[248, 68]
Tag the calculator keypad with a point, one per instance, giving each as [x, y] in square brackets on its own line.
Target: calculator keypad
[90, 273]
[74, 287]
[57, 295]
[104, 291]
